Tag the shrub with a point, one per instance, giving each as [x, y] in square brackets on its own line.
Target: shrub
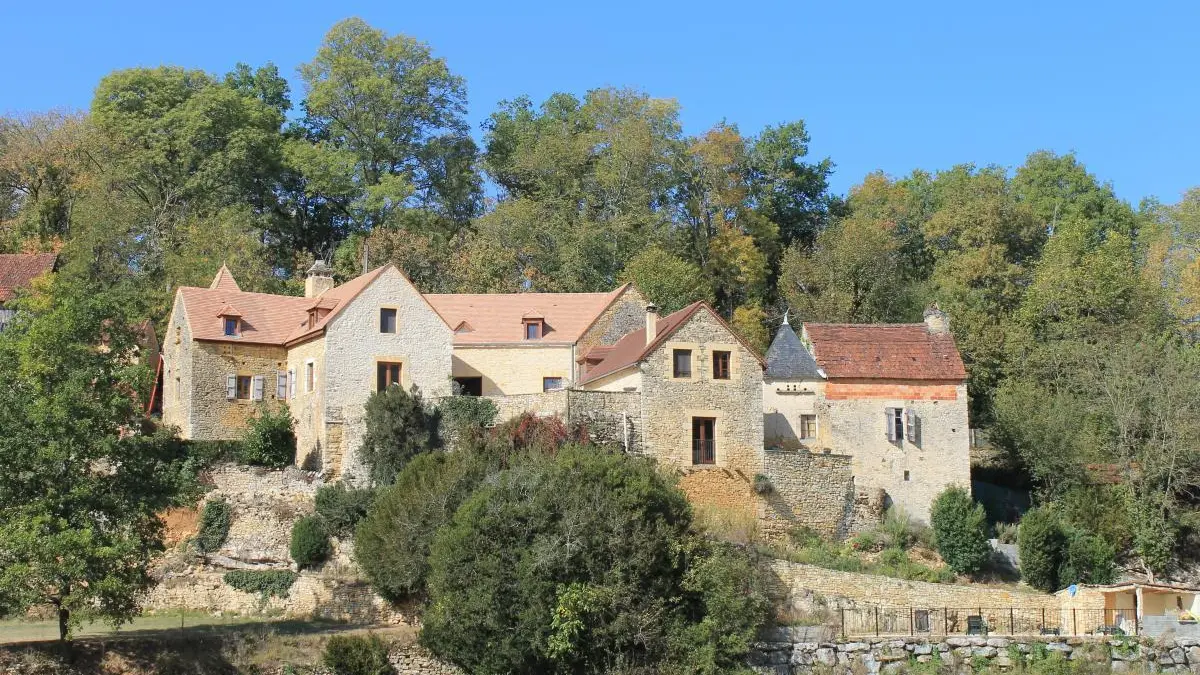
[399, 426]
[1040, 540]
[270, 440]
[762, 484]
[392, 542]
[583, 562]
[1087, 559]
[267, 583]
[1006, 533]
[464, 414]
[357, 655]
[310, 542]
[215, 520]
[342, 507]
[960, 531]
[867, 540]
[529, 433]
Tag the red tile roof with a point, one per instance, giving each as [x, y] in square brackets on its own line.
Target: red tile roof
[632, 348]
[907, 351]
[224, 280]
[493, 318]
[17, 270]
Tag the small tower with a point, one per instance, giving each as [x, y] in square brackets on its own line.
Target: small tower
[319, 279]
[936, 321]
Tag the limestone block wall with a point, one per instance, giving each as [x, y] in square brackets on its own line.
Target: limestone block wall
[544, 404]
[784, 401]
[611, 418]
[265, 505]
[212, 415]
[810, 490]
[514, 370]
[728, 490]
[421, 344]
[736, 404]
[623, 316]
[177, 371]
[912, 473]
[308, 407]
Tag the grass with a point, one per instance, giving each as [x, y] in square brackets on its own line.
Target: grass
[807, 548]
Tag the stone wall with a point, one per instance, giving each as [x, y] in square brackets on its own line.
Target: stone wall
[308, 407]
[912, 473]
[798, 586]
[611, 418]
[213, 416]
[725, 489]
[546, 403]
[514, 369]
[422, 344]
[623, 316]
[177, 371]
[413, 659]
[265, 505]
[784, 401]
[781, 654]
[810, 490]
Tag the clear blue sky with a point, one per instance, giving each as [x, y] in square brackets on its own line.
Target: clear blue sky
[882, 85]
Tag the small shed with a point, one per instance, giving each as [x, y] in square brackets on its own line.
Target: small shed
[1131, 607]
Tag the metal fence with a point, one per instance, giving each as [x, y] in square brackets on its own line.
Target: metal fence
[896, 621]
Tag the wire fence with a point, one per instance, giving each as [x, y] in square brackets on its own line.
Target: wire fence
[896, 621]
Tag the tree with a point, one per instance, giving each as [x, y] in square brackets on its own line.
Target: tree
[667, 280]
[310, 542]
[789, 192]
[1040, 541]
[270, 439]
[81, 488]
[581, 561]
[960, 531]
[398, 426]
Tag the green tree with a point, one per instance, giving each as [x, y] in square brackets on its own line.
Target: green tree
[399, 425]
[667, 280]
[1040, 541]
[270, 439]
[80, 493]
[788, 191]
[310, 542]
[960, 531]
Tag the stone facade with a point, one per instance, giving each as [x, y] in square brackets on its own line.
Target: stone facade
[609, 418]
[625, 315]
[810, 490]
[308, 406]
[514, 369]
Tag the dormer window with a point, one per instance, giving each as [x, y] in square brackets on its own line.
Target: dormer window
[231, 326]
[533, 330]
[312, 319]
[231, 321]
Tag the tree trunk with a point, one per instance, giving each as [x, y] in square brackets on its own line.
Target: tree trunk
[64, 622]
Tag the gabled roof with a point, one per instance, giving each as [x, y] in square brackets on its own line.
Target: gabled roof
[788, 358]
[903, 351]
[632, 348]
[224, 280]
[17, 270]
[498, 318]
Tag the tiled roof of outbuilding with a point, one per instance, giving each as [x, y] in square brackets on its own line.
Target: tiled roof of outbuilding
[17, 270]
[905, 351]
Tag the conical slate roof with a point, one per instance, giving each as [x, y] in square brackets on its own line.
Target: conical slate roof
[787, 359]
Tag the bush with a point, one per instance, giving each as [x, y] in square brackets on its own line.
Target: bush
[357, 655]
[392, 542]
[762, 484]
[215, 520]
[960, 531]
[271, 439]
[1006, 533]
[342, 507]
[399, 426]
[267, 583]
[583, 562]
[310, 542]
[1040, 540]
[1087, 559]
[465, 414]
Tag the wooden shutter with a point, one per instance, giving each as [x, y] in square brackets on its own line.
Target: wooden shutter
[291, 378]
[890, 414]
[910, 426]
[281, 381]
[256, 392]
[230, 387]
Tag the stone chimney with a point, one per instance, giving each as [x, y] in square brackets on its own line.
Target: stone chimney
[319, 279]
[651, 322]
[936, 320]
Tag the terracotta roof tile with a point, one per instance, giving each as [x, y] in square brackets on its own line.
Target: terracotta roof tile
[224, 280]
[18, 270]
[497, 317]
[884, 351]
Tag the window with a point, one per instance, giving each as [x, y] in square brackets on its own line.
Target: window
[552, 383]
[808, 427]
[244, 383]
[281, 385]
[533, 330]
[720, 363]
[906, 475]
[386, 374]
[895, 423]
[682, 362]
[704, 450]
[469, 386]
[310, 376]
[387, 320]
[231, 325]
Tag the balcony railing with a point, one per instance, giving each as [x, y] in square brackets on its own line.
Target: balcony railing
[704, 451]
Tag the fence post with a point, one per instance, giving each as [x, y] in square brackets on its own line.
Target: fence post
[843, 611]
[876, 620]
[912, 621]
[1012, 621]
[945, 620]
[1074, 622]
[1043, 627]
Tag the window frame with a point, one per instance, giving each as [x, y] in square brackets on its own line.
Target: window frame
[676, 373]
[235, 323]
[698, 458]
[394, 315]
[726, 373]
[804, 419]
[383, 374]
[562, 383]
[538, 327]
[248, 380]
[310, 376]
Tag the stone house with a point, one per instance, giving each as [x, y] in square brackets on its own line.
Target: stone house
[17, 272]
[691, 389]
[891, 398]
